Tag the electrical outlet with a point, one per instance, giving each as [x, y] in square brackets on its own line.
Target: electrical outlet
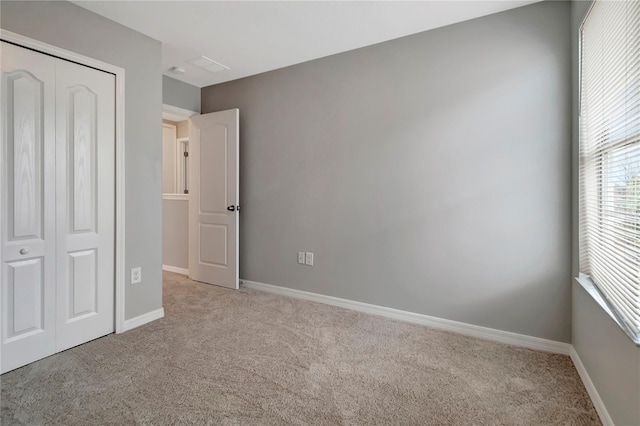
[301, 257]
[309, 259]
[136, 275]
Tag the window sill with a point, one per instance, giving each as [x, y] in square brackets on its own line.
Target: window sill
[177, 197]
[586, 283]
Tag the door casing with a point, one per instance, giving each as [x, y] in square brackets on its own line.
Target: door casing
[120, 272]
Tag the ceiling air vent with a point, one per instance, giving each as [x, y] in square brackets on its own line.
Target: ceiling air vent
[207, 64]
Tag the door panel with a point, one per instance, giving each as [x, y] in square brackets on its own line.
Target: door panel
[213, 229]
[213, 177]
[82, 112]
[213, 244]
[27, 207]
[82, 284]
[24, 119]
[85, 133]
[25, 287]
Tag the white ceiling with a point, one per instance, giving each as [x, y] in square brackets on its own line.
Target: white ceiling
[253, 37]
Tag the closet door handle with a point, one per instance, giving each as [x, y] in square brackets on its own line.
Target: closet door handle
[231, 208]
[24, 250]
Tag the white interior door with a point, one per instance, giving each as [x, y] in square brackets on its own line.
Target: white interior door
[169, 160]
[57, 199]
[213, 204]
[28, 206]
[85, 189]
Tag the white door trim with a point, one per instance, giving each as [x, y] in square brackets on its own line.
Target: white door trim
[120, 275]
[174, 113]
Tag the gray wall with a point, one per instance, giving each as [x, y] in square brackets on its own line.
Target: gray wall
[609, 356]
[70, 27]
[175, 233]
[180, 94]
[429, 173]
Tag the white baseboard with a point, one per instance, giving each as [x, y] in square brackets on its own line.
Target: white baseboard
[143, 319]
[175, 269]
[605, 418]
[429, 321]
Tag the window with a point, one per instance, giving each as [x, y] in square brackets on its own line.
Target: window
[610, 156]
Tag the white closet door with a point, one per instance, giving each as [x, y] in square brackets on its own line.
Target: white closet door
[85, 133]
[27, 206]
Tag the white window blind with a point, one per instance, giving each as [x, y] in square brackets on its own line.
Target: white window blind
[610, 156]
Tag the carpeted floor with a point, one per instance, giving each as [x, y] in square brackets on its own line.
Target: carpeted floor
[246, 357]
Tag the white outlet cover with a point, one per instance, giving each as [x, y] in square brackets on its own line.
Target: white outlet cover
[301, 257]
[309, 259]
[136, 275]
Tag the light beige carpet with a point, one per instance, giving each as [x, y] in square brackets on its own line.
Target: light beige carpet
[246, 357]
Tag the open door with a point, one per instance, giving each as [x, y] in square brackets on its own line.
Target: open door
[214, 198]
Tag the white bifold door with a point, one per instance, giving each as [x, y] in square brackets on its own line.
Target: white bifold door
[57, 202]
[213, 201]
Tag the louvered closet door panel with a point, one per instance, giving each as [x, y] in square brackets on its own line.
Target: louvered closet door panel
[27, 204]
[85, 134]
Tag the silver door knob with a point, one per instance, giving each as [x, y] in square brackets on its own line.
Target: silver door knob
[24, 250]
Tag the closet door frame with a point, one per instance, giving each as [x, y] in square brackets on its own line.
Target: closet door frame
[119, 273]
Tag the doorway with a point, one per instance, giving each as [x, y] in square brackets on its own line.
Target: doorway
[175, 189]
[201, 195]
